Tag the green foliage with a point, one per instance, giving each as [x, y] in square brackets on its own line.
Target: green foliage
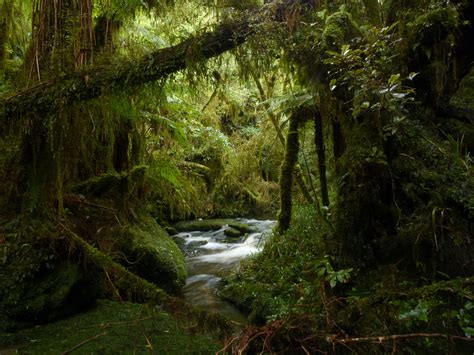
[327, 272]
[434, 24]
[290, 273]
[363, 72]
[340, 28]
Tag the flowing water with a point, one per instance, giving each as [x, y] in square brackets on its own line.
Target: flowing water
[214, 258]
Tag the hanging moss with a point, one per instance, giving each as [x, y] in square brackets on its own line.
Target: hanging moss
[100, 185]
[339, 29]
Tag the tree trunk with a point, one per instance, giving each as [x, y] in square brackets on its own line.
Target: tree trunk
[319, 143]
[372, 9]
[286, 174]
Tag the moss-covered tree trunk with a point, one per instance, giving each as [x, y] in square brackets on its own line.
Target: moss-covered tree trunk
[365, 206]
[372, 8]
[321, 152]
[292, 147]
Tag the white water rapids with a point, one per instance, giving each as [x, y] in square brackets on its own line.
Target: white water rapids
[209, 262]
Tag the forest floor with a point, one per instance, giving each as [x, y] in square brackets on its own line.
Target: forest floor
[111, 328]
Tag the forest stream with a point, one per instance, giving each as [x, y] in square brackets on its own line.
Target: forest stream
[210, 257]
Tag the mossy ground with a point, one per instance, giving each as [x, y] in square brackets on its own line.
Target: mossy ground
[111, 328]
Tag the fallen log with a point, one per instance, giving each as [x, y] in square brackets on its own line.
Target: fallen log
[49, 97]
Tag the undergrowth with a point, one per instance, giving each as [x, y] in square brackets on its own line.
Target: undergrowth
[301, 296]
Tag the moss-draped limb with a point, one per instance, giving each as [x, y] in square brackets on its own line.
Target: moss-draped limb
[286, 173]
[48, 97]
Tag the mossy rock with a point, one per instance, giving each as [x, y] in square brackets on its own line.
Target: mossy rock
[200, 225]
[196, 244]
[56, 290]
[211, 225]
[233, 240]
[152, 254]
[171, 230]
[178, 240]
[233, 233]
[241, 227]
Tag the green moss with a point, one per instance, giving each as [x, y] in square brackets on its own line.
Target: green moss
[340, 28]
[232, 232]
[99, 185]
[42, 298]
[435, 24]
[463, 98]
[241, 227]
[200, 225]
[292, 147]
[212, 224]
[111, 328]
[158, 258]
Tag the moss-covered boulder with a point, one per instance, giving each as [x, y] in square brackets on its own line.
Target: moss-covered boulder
[178, 240]
[232, 232]
[212, 224]
[152, 254]
[241, 227]
[37, 286]
[200, 225]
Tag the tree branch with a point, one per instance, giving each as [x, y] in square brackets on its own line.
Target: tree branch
[50, 96]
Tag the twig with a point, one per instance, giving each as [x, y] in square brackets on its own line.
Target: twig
[113, 286]
[106, 325]
[83, 343]
[383, 338]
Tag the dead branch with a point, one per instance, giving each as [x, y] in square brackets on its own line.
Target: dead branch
[385, 338]
[75, 347]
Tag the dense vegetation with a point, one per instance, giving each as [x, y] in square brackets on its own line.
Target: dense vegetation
[351, 122]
